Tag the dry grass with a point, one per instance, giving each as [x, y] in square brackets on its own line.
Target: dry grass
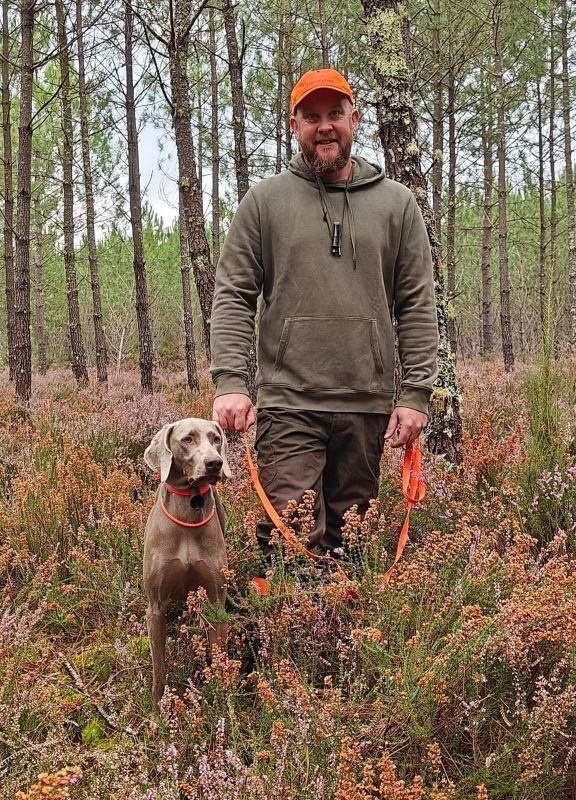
[457, 680]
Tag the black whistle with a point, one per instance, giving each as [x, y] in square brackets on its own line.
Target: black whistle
[336, 238]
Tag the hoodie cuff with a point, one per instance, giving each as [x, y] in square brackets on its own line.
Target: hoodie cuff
[418, 399]
[231, 383]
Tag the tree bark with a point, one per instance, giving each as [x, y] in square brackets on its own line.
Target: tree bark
[198, 254]
[215, 144]
[41, 335]
[389, 51]
[487, 227]
[541, 212]
[437, 125]
[238, 107]
[99, 336]
[22, 343]
[146, 348]
[8, 187]
[288, 69]
[190, 348]
[505, 318]
[552, 158]
[569, 169]
[323, 34]
[279, 92]
[240, 155]
[77, 354]
[451, 215]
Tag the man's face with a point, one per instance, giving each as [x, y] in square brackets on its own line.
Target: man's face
[324, 124]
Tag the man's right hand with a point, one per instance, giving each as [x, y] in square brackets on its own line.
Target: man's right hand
[233, 412]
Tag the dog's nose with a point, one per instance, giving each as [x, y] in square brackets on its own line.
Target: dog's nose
[213, 464]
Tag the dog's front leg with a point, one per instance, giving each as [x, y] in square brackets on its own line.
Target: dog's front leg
[156, 623]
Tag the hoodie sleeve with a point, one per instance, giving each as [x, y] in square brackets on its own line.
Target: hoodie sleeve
[415, 311]
[238, 284]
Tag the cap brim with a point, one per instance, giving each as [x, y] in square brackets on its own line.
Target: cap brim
[317, 89]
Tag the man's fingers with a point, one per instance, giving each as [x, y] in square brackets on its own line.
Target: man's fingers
[392, 424]
[251, 418]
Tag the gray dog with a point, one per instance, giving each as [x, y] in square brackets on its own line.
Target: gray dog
[183, 542]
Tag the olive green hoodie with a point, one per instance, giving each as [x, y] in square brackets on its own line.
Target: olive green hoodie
[326, 339]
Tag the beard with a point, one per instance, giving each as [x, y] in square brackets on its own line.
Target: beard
[325, 165]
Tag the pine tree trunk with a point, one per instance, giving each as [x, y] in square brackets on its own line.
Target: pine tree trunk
[542, 213]
[190, 344]
[437, 125]
[505, 318]
[323, 34]
[240, 156]
[389, 51]
[569, 169]
[487, 227]
[238, 109]
[288, 69]
[215, 144]
[99, 336]
[279, 93]
[77, 354]
[8, 187]
[39, 287]
[145, 342]
[190, 193]
[552, 158]
[451, 215]
[22, 343]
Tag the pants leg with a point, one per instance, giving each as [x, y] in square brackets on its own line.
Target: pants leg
[291, 456]
[352, 469]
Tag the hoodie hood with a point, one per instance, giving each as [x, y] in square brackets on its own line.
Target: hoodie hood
[363, 172]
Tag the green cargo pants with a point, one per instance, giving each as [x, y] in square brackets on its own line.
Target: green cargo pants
[335, 454]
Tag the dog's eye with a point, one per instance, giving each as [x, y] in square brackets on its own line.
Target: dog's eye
[187, 439]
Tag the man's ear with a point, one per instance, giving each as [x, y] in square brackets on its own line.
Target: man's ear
[158, 455]
[226, 471]
[294, 125]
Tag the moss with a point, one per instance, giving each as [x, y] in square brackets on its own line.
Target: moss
[386, 46]
[412, 149]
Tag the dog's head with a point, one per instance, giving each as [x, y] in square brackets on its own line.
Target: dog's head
[195, 447]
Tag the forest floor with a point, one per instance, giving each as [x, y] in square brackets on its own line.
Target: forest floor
[455, 680]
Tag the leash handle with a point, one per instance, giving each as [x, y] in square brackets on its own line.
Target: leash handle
[413, 489]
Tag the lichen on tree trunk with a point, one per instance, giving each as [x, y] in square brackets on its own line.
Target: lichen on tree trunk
[388, 31]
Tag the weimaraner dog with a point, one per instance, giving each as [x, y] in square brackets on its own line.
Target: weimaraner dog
[183, 542]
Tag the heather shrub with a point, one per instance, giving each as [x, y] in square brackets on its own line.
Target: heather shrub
[453, 681]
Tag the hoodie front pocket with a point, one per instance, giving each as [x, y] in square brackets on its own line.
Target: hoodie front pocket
[331, 354]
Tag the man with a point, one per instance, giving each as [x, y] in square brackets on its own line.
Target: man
[336, 250]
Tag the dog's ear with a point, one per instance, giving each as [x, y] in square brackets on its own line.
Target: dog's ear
[158, 455]
[226, 471]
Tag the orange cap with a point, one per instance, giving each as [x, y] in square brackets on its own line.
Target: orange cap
[319, 79]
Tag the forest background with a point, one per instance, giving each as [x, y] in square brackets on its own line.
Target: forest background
[456, 680]
[235, 103]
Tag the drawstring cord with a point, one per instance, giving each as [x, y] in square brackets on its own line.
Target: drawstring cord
[352, 225]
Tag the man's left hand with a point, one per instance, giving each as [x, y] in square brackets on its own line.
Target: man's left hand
[407, 423]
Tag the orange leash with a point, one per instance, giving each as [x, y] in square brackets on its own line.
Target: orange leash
[271, 511]
[413, 490]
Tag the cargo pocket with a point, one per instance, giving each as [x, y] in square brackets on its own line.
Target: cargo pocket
[330, 354]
